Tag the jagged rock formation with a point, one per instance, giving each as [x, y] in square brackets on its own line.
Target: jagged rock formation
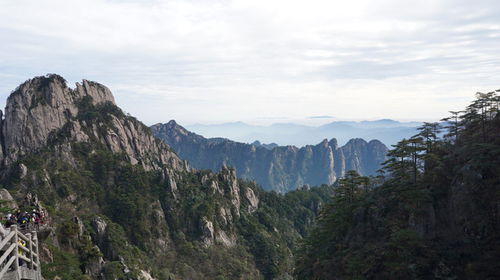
[278, 168]
[123, 205]
[43, 107]
[271, 146]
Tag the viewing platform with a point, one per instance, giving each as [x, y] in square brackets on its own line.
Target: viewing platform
[19, 256]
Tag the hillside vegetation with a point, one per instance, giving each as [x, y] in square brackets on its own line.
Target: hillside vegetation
[122, 205]
[435, 216]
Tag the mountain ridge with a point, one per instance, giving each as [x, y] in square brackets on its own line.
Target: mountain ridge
[281, 168]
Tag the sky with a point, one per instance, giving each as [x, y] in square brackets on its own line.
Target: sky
[260, 61]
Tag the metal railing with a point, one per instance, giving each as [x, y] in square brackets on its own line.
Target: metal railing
[19, 255]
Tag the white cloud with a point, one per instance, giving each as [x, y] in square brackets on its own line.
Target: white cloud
[221, 60]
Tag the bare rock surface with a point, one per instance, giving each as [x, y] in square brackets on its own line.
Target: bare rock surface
[44, 108]
[7, 200]
[253, 201]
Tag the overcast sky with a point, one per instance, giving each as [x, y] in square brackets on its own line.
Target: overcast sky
[260, 61]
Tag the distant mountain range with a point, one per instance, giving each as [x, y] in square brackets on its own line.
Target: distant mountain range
[279, 168]
[387, 131]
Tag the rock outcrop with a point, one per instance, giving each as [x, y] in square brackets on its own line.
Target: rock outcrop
[253, 200]
[41, 106]
[43, 109]
[6, 199]
[280, 168]
[99, 226]
[207, 230]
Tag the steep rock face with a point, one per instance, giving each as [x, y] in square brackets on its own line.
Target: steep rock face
[43, 108]
[362, 156]
[253, 201]
[281, 168]
[40, 106]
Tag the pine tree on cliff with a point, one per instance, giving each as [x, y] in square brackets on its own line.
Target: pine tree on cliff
[436, 214]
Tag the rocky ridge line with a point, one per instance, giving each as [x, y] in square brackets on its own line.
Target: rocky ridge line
[281, 168]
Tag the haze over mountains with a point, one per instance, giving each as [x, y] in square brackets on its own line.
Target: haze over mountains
[250, 140]
[387, 131]
[278, 168]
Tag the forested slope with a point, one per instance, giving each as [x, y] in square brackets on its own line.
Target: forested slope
[433, 215]
[122, 205]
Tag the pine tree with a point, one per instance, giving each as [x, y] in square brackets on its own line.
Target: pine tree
[452, 125]
[404, 163]
[351, 186]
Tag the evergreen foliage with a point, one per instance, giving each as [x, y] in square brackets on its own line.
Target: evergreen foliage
[432, 217]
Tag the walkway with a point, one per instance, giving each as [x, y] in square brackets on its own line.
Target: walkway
[19, 256]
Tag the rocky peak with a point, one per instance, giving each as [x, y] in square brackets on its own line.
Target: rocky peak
[98, 92]
[178, 132]
[376, 143]
[333, 143]
[270, 146]
[324, 143]
[38, 107]
[171, 125]
[256, 143]
[356, 141]
[44, 107]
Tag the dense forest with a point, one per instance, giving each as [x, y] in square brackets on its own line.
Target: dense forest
[432, 213]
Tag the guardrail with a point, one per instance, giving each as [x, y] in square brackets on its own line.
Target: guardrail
[19, 255]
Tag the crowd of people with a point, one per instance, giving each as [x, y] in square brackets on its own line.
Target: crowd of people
[25, 220]
[30, 216]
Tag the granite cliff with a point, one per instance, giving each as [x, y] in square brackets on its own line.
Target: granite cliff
[280, 168]
[45, 108]
[122, 205]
